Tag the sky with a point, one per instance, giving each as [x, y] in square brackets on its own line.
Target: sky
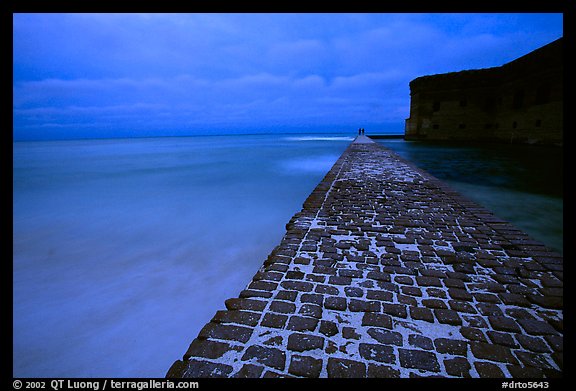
[144, 75]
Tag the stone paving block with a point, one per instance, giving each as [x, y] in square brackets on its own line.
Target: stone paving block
[501, 338]
[328, 328]
[300, 323]
[249, 371]
[209, 349]
[447, 316]
[421, 314]
[271, 357]
[458, 366]
[305, 366]
[537, 327]
[419, 359]
[301, 342]
[386, 337]
[226, 332]
[489, 370]
[344, 368]
[348, 257]
[377, 320]
[282, 307]
[199, 369]
[276, 321]
[382, 371]
[492, 352]
[451, 346]
[420, 341]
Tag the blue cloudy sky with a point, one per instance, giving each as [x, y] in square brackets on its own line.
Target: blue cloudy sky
[123, 75]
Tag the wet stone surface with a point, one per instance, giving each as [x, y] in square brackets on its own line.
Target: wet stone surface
[387, 272]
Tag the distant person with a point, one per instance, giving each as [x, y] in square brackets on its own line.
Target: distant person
[359, 131]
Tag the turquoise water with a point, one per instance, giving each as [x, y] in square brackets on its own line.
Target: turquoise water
[125, 248]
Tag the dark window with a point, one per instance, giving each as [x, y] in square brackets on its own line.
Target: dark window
[462, 126]
[489, 104]
[436, 105]
[518, 101]
[463, 103]
[538, 123]
[435, 126]
[487, 126]
[542, 95]
[514, 125]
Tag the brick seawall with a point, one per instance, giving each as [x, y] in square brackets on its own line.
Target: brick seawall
[387, 272]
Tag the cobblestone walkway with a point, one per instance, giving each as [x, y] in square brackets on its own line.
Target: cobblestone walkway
[387, 272]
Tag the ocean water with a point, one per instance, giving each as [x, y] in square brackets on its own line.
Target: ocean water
[522, 184]
[125, 248]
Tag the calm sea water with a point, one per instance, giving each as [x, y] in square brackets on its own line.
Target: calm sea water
[522, 184]
[125, 248]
